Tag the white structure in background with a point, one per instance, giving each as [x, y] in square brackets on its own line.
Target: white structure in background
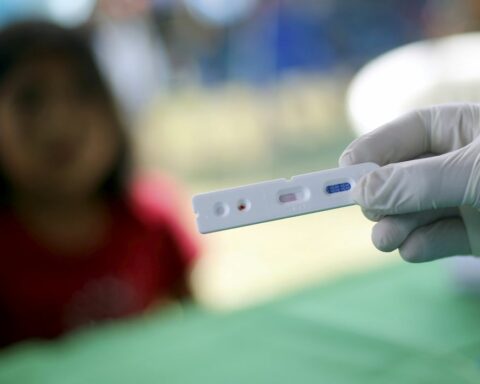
[220, 12]
[66, 12]
[133, 59]
[70, 13]
[416, 75]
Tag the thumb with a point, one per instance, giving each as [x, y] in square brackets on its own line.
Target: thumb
[447, 180]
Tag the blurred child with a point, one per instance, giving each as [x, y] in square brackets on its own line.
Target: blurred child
[81, 239]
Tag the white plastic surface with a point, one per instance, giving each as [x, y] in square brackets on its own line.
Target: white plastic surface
[276, 199]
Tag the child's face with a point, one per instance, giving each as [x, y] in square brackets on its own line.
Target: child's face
[57, 138]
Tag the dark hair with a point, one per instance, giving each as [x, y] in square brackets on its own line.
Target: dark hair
[27, 39]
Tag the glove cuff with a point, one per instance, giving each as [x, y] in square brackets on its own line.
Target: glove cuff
[471, 219]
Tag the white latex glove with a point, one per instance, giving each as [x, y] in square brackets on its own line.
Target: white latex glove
[426, 207]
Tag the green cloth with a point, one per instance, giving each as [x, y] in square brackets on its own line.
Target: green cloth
[401, 324]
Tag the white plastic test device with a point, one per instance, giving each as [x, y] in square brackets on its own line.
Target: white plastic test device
[277, 199]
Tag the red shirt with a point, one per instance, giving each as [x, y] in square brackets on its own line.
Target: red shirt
[144, 258]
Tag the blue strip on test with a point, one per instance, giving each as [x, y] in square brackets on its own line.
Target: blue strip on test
[335, 188]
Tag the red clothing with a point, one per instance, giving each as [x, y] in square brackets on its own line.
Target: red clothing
[144, 258]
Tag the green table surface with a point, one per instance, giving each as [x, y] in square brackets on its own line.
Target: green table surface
[400, 324]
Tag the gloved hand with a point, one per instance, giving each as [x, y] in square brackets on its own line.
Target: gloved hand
[427, 207]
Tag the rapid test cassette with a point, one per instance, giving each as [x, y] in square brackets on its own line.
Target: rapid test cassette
[278, 199]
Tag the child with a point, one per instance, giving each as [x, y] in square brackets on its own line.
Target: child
[80, 240]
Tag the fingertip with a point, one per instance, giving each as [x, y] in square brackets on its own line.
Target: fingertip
[372, 215]
[358, 195]
[370, 191]
[389, 233]
[410, 253]
[353, 154]
[380, 243]
[345, 160]
[413, 249]
[382, 238]
[361, 193]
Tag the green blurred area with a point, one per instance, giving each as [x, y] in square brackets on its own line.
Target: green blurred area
[401, 324]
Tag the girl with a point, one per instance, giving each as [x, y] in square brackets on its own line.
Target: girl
[81, 240]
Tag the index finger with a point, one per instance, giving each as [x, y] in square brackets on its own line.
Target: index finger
[435, 130]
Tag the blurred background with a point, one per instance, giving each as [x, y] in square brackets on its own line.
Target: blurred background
[220, 93]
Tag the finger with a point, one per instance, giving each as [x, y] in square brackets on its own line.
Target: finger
[372, 215]
[443, 238]
[437, 130]
[391, 231]
[471, 217]
[418, 185]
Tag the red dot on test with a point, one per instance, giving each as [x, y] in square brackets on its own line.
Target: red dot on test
[243, 205]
